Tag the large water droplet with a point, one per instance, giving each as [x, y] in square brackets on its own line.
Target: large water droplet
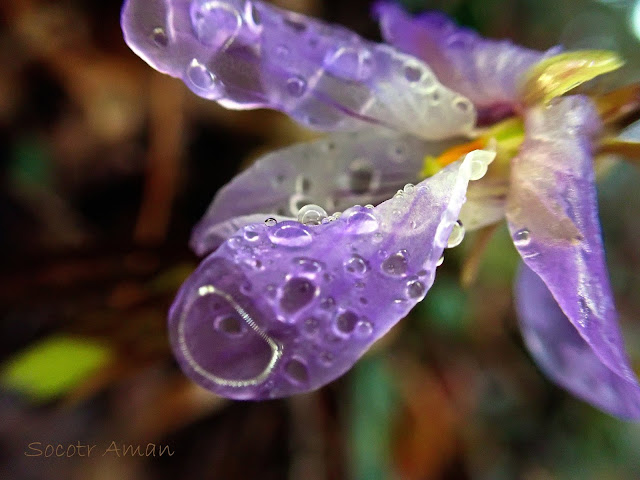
[360, 221]
[350, 63]
[356, 265]
[296, 294]
[296, 86]
[311, 215]
[396, 264]
[215, 23]
[522, 238]
[296, 371]
[415, 289]
[290, 235]
[346, 322]
[456, 236]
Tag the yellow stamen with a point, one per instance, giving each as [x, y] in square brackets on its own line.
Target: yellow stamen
[557, 75]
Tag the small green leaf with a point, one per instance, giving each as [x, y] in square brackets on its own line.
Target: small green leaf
[54, 366]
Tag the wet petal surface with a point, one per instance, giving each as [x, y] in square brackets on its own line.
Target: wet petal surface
[566, 356]
[488, 72]
[553, 219]
[295, 306]
[336, 172]
[249, 54]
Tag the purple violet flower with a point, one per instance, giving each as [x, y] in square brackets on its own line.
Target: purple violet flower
[287, 305]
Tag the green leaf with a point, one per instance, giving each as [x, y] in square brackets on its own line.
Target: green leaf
[54, 366]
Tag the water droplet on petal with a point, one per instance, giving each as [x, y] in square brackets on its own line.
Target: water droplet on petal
[202, 78]
[363, 328]
[290, 235]
[296, 371]
[346, 322]
[296, 294]
[310, 326]
[356, 265]
[480, 160]
[522, 238]
[456, 236]
[296, 86]
[159, 37]
[251, 236]
[326, 358]
[396, 264]
[361, 222]
[270, 222]
[308, 265]
[350, 63]
[409, 188]
[415, 289]
[311, 215]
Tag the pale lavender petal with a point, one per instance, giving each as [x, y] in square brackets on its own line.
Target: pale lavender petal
[249, 54]
[209, 236]
[552, 213]
[486, 71]
[485, 205]
[336, 172]
[564, 355]
[284, 309]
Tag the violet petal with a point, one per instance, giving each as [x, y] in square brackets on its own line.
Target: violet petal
[552, 213]
[336, 172]
[293, 307]
[566, 356]
[486, 71]
[248, 54]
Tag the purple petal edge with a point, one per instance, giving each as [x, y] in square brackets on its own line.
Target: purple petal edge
[564, 355]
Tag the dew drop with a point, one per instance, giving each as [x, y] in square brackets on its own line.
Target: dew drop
[396, 264]
[369, 206]
[290, 235]
[326, 358]
[308, 265]
[378, 237]
[296, 294]
[456, 236]
[356, 265]
[480, 161]
[522, 238]
[251, 236]
[310, 326]
[296, 371]
[346, 322]
[409, 188]
[412, 72]
[363, 329]
[415, 289]
[270, 222]
[361, 222]
[311, 215]
[200, 76]
[296, 86]
[440, 261]
[159, 37]
[350, 63]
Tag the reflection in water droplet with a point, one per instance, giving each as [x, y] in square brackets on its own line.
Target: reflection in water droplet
[229, 325]
[296, 371]
[296, 294]
[522, 238]
[415, 289]
[456, 236]
[251, 236]
[363, 328]
[361, 222]
[356, 265]
[270, 222]
[159, 37]
[296, 86]
[311, 215]
[308, 265]
[396, 264]
[290, 235]
[346, 322]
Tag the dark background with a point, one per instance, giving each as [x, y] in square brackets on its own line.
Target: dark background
[105, 166]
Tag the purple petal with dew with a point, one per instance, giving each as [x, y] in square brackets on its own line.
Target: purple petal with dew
[209, 237]
[336, 172]
[552, 214]
[566, 356]
[248, 54]
[486, 71]
[283, 309]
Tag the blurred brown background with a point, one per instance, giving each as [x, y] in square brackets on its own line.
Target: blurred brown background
[106, 165]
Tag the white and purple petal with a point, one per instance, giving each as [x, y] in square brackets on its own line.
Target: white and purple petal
[336, 172]
[566, 356]
[552, 214]
[249, 54]
[488, 72]
[286, 308]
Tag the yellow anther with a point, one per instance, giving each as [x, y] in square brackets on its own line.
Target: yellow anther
[555, 76]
